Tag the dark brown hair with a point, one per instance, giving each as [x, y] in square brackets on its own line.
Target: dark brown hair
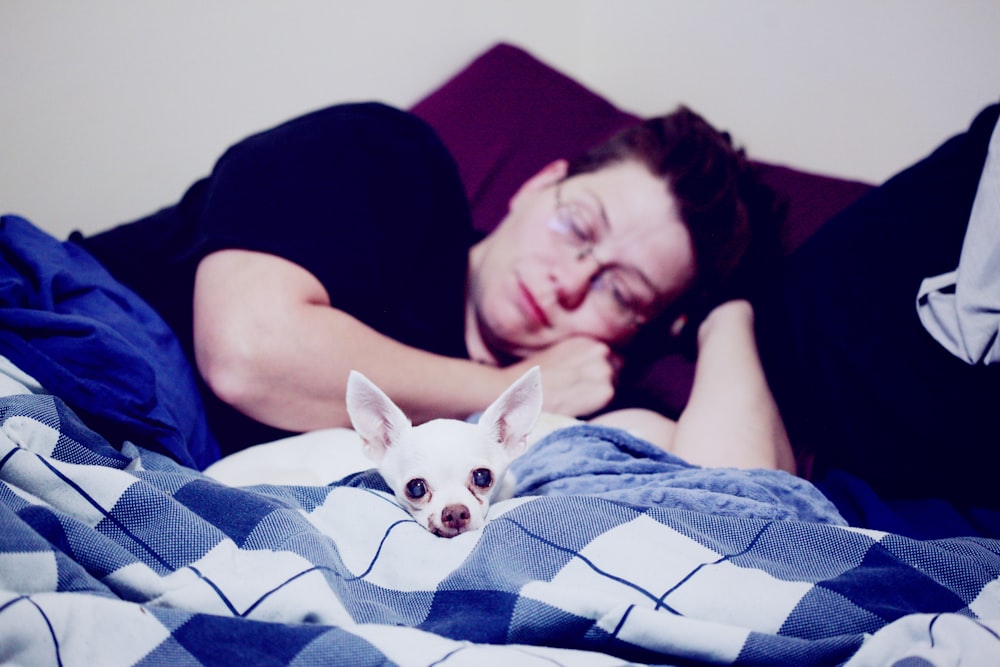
[729, 213]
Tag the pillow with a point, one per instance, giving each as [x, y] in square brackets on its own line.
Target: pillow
[811, 199]
[507, 114]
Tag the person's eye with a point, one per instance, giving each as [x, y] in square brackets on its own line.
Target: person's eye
[617, 288]
[580, 231]
[579, 224]
[625, 297]
[626, 301]
[564, 225]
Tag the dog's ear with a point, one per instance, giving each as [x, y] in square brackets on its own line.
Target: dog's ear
[378, 420]
[511, 417]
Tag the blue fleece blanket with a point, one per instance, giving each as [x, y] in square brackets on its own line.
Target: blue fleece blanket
[610, 463]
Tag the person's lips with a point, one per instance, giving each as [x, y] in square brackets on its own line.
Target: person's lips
[530, 306]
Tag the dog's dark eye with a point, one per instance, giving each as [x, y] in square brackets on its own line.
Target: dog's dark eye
[482, 478]
[416, 489]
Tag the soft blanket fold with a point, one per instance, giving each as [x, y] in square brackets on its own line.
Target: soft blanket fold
[611, 463]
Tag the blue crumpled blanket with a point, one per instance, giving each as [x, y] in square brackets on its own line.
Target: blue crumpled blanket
[611, 463]
[91, 341]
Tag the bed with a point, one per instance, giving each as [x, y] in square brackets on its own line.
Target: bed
[117, 549]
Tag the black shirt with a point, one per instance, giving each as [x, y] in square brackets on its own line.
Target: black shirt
[363, 196]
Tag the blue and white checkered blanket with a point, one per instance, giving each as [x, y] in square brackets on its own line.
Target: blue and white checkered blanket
[112, 557]
[112, 553]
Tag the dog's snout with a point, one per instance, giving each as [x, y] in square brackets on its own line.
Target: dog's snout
[455, 516]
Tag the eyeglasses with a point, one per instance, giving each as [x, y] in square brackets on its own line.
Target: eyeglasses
[619, 293]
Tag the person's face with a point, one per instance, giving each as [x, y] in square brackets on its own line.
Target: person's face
[594, 255]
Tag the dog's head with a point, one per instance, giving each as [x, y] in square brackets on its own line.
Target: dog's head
[445, 472]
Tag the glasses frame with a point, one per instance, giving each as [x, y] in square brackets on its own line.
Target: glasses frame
[566, 226]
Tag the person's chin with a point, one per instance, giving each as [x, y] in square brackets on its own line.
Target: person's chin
[514, 330]
[511, 344]
[524, 343]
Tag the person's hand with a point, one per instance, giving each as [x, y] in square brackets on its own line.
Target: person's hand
[578, 375]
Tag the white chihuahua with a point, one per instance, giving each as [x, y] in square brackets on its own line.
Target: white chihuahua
[446, 472]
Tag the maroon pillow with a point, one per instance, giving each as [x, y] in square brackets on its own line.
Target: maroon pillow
[506, 115]
[811, 200]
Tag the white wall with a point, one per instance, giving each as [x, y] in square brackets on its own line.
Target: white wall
[110, 108]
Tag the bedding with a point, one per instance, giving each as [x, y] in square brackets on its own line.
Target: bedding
[598, 461]
[123, 556]
[89, 339]
[116, 549]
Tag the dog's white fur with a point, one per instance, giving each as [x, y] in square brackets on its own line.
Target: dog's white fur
[446, 472]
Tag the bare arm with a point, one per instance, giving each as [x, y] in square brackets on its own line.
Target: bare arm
[731, 419]
[268, 342]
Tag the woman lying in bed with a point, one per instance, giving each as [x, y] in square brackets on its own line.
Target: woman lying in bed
[341, 240]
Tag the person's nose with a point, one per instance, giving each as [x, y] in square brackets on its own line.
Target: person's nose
[573, 278]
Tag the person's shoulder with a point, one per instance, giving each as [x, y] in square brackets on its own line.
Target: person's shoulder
[351, 120]
[356, 112]
[353, 130]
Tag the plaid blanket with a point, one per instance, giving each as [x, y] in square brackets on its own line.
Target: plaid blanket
[120, 556]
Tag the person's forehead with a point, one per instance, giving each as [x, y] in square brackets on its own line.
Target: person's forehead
[631, 197]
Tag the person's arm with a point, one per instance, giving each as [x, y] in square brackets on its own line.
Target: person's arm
[268, 343]
[731, 419]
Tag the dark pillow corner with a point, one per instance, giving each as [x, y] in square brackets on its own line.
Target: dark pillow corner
[505, 116]
[811, 199]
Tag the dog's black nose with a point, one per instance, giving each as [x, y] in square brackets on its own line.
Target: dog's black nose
[455, 516]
